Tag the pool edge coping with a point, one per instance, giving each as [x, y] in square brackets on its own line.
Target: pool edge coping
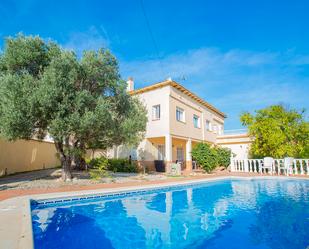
[26, 236]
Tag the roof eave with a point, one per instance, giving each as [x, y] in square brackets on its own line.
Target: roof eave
[180, 88]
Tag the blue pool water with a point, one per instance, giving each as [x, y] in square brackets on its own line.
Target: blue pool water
[216, 215]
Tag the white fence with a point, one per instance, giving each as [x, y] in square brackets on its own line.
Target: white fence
[278, 166]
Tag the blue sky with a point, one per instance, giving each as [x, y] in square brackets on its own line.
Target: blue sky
[237, 55]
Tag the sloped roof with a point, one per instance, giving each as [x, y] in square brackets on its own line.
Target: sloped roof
[180, 88]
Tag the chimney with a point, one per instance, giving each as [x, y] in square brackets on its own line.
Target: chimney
[130, 84]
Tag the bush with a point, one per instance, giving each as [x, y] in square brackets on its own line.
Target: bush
[205, 156]
[223, 156]
[98, 162]
[122, 165]
[115, 165]
[98, 167]
[210, 158]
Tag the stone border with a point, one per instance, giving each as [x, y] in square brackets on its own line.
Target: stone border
[22, 236]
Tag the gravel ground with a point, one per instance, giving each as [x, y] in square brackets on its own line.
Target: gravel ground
[51, 178]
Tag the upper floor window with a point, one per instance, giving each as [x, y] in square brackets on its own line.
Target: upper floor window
[196, 121]
[208, 125]
[215, 129]
[180, 114]
[220, 129]
[156, 112]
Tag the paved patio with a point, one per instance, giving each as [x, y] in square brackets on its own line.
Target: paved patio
[48, 181]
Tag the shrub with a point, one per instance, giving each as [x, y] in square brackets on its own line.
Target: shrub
[98, 162]
[115, 165]
[98, 167]
[122, 165]
[205, 156]
[223, 156]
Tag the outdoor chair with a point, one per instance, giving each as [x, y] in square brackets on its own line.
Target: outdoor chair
[268, 164]
[288, 165]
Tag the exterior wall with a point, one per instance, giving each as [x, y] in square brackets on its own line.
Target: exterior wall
[160, 96]
[96, 153]
[25, 155]
[241, 151]
[168, 97]
[191, 107]
[146, 151]
[239, 144]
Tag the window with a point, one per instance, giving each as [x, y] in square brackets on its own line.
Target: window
[161, 152]
[220, 130]
[208, 125]
[196, 121]
[180, 114]
[156, 112]
[180, 154]
[215, 129]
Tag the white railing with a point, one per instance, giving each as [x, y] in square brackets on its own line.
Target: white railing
[297, 167]
[235, 132]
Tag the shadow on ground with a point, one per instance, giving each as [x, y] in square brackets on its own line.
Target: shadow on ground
[47, 176]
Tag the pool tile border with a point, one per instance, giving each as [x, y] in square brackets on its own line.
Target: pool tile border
[43, 203]
[117, 194]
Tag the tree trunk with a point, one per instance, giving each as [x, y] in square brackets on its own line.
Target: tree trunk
[80, 162]
[66, 170]
[79, 159]
[65, 162]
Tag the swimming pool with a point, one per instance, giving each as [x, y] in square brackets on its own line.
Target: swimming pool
[217, 215]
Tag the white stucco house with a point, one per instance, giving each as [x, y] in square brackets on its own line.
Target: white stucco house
[177, 120]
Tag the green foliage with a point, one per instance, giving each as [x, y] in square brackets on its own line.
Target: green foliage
[21, 65]
[205, 156]
[98, 167]
[122, 165]
[98, 163]
[278, 132]
[27, 55]
[98, 174]
[115, 165]
[223, 156]
[82, 103]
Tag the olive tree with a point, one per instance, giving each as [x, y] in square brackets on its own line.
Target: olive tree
[80, 102]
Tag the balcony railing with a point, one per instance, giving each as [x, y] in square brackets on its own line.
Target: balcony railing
[235, 132]
[277, 166]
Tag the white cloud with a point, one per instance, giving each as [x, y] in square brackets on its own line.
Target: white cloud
[206, 61]
[92, 39]
[234, 81]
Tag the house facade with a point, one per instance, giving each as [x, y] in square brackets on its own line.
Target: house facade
[177, 120]
[238, 142]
